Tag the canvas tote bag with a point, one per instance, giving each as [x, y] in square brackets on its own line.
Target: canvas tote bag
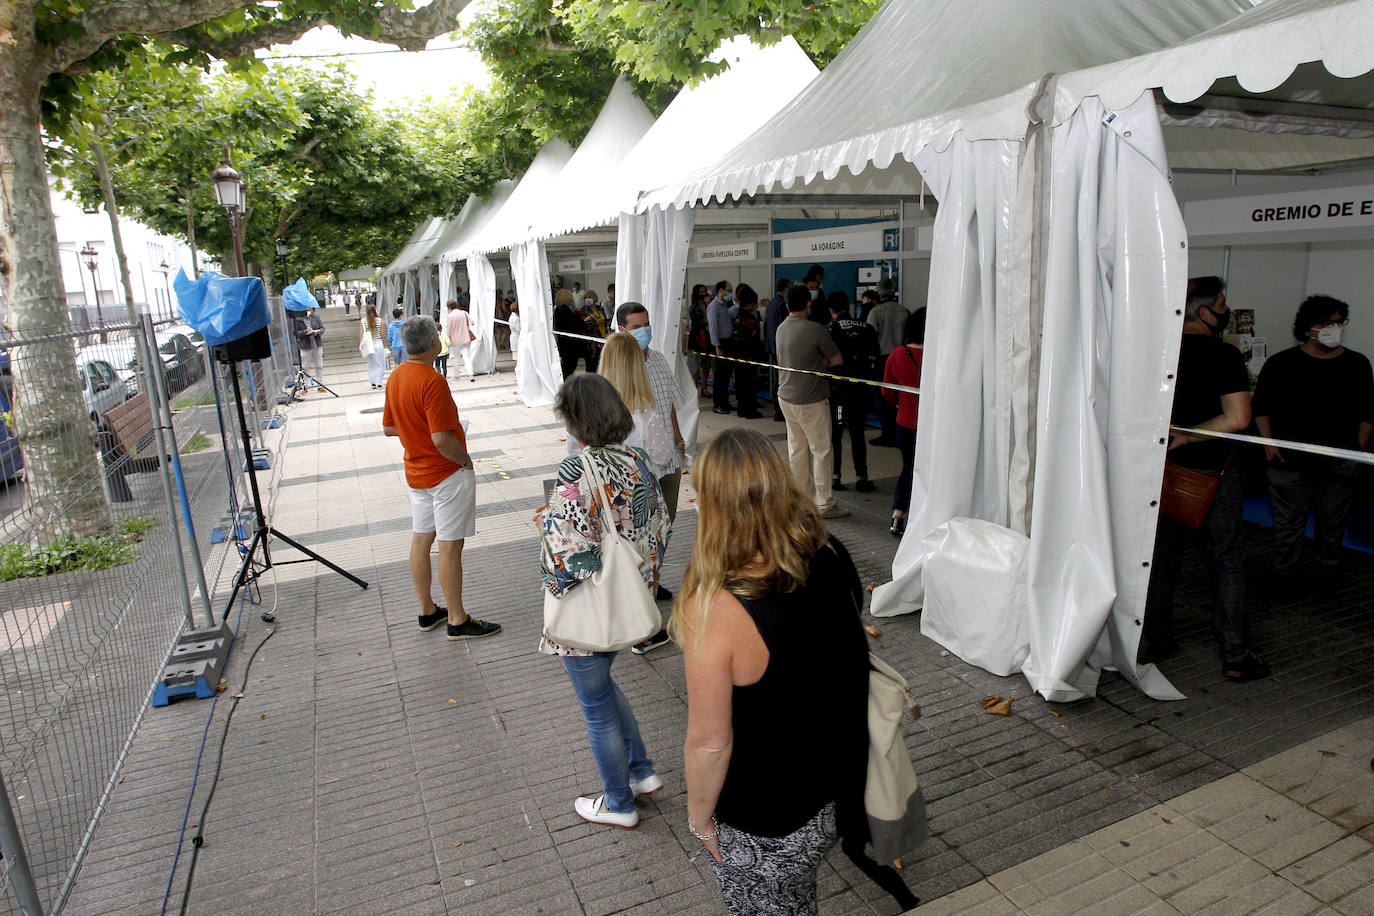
[613, 609]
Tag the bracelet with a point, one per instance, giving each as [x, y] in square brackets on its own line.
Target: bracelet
[715, 828]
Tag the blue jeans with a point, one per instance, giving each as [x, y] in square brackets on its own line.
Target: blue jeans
[398, 355]
[441, 365]
[611, 728]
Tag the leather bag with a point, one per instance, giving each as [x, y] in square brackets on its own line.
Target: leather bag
[1187, 495]
[612, 609]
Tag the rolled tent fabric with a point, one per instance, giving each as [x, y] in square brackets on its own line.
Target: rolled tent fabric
[482, 307]
[408, 292]
[960, 452]
[1116, 269]
[668, 236]
[538, 374]
[631, 233]
[445, 285]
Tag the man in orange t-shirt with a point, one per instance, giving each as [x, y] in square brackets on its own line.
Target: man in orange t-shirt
[443, 487]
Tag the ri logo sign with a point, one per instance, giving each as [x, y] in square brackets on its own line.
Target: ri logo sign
[892, 240]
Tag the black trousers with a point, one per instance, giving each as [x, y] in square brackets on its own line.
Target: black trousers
[720, 383]
[849, 405]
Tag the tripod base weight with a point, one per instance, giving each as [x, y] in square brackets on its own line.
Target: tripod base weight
[195, 665]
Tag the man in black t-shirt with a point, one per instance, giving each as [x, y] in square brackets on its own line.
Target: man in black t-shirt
[849, 403]
[1322, 393]
[1211, 392]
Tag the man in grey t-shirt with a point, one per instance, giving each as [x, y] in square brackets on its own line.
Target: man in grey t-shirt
[804, 344]
[888, 318]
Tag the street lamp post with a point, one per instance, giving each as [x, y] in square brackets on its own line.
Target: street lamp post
[282, 250]
[90, 255]
[229, 192]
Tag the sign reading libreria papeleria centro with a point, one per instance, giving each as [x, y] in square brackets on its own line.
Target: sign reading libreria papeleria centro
[1292, 215]
[718, 254]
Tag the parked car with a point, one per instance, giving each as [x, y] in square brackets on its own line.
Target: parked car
[184, 362]
[197, 339]
[101, 388]
[122, 354]
[11, 459]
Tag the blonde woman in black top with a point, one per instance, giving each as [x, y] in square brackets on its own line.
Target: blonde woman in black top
[777, 675]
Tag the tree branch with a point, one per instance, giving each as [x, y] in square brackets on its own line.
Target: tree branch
[176, 21]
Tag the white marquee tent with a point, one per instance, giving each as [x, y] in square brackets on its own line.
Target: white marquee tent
[1058, 270]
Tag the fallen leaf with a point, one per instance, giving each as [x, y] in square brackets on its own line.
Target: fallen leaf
[1000, 709]
[238, 696]
[1166, 820]
[456, 845]
[452, 701]
[987, 702]
[1056, 714]
[869, 588]
[872, 631]
[261, 717]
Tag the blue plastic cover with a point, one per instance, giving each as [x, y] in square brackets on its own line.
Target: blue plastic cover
[222, 308]
[297, 297]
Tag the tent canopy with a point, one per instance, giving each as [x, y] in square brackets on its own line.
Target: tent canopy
[412, 255]
[471, 220]
[515, 221]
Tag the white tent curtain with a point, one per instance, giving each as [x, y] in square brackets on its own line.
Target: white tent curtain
[959, 461]
[538, 374]
[445, 283]
[669, 234]
[482, 308]
[1116, 263]
[408, 292]
[631, 232]
[429, 292]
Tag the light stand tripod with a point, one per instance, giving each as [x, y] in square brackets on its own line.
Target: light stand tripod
[262, 531]
[303, 379]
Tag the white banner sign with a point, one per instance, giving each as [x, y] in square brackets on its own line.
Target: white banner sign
[839, 245]
[573, 266]
[603, 263]
[1287, 213]
[716, 254]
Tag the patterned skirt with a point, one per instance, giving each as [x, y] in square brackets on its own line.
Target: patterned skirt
[773, 875]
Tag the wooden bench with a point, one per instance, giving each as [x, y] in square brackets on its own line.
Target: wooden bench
[126, 443]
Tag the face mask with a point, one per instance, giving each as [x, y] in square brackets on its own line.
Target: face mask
[588, 302]
[1223, 318]
[1330, 337]
[643, 336]
[815, 294]
[728, 297]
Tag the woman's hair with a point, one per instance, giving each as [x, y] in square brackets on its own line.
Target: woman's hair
[591, 294]
[622, 364]
[563, 297]
[756, 531]
[593, 410]
[698, 291]
[914, 330]
[372, 320]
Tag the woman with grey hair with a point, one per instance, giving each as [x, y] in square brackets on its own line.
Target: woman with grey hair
[571, 526]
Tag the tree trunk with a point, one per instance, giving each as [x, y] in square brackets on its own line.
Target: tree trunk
[191, 237]
[64, 490]
[102, 172]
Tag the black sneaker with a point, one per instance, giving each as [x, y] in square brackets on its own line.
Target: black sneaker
[1250, 668]
[864, 485]
[430, 621]
[472, 628]
[653, 642]
[835, 484]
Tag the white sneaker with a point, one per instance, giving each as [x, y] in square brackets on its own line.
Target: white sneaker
[834, 511]
[593, 809]
[646, 786]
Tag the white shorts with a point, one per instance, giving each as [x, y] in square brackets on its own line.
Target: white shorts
[449, 509]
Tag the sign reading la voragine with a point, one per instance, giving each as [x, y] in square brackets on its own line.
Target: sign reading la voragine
[1291, 214]
[839, 245]
[718, 254]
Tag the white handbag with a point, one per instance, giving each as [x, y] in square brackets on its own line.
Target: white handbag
[614, 608]
[367, 346]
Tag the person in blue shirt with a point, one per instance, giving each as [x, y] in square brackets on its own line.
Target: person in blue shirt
[393, 338]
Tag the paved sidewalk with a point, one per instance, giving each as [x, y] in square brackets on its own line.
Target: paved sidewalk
[372, 768]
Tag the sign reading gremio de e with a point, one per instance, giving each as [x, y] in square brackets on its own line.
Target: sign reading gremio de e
[716, 254]
[839, 245]
[1288, 216]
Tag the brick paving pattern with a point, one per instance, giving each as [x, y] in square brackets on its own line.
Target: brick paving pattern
[372, 768]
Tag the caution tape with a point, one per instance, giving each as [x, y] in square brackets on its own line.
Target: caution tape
[1345, 454]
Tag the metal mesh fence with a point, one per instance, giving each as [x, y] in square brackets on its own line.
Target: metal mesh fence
[97, 571]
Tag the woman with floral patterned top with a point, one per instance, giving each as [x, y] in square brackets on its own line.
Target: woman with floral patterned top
[571, 527]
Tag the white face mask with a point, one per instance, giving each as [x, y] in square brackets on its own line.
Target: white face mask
[1330, 336]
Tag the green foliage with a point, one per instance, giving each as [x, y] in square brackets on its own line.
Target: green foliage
[199, 443]
[197, 401]
[66, 554]
[136, 525]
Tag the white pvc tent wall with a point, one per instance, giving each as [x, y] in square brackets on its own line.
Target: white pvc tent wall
[1057, 272]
